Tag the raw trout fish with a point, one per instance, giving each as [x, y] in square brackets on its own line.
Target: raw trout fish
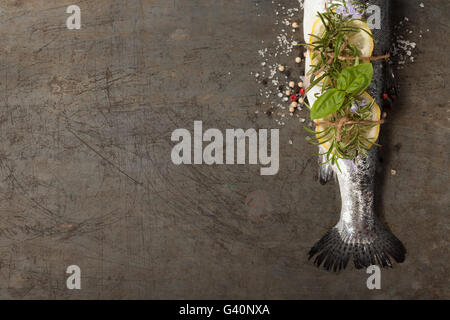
[359, 234]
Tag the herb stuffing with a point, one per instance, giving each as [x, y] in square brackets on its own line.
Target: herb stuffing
[340, 49]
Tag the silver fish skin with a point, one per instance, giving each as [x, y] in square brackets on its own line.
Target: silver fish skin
[360, 234]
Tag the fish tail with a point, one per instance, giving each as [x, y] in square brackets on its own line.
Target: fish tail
[336, 247]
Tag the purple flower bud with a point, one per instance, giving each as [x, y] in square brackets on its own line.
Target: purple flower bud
[352, 9]
[362, 103]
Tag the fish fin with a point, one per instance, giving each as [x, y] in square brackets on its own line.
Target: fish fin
[325, 170]
[336, 248]
[325, 173]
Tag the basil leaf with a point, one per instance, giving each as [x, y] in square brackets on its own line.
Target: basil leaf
[327, 103]
[360, 83]
[354, 80]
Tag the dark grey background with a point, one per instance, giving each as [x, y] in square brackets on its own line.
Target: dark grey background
[86, 177]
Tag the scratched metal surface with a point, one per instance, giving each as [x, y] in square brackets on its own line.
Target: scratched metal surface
[86, 176]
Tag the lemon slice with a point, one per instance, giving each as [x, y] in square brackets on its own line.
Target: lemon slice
[318, 30]
[360, 39]
[371, 134]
